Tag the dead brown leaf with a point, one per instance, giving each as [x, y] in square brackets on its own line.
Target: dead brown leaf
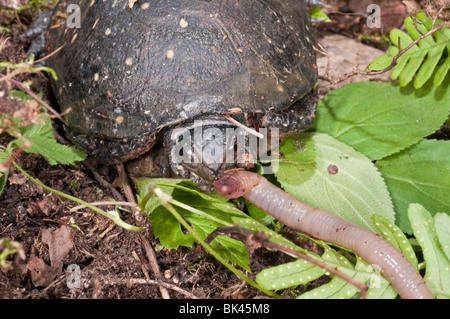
[17, 179]
[60, 242]
[41, 273]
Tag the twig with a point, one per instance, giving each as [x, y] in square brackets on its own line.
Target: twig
[242, 126]
[147, 247]
[260, 239]
[154, 265]
[49, 55]
[395, 58]
[34, 96]
[103, 203]
[145, 281]
[14, 155]
[102, 181]
[403, 51]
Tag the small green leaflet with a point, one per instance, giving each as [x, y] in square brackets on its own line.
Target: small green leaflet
[341, 181]
[442, 227]
[45, 144]
[396, 237]
[317, 13]
[437, 274]
[379, 119]
[3, 175]
[427, 59]
[258, 214]
[233, 250]
[418, 174]
[287, 275]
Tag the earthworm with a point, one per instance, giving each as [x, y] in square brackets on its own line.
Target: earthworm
[326, 226]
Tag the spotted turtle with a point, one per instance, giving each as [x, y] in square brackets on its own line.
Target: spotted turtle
[131, 73]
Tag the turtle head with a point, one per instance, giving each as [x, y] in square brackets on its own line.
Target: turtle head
[203, 149]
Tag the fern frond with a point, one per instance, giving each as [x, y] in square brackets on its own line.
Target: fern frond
[429, 57]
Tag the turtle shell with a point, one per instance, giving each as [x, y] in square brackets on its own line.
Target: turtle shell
[126, 71]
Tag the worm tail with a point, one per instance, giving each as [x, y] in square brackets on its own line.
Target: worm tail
[328, 227]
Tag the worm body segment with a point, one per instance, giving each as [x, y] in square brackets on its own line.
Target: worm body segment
[325, 226]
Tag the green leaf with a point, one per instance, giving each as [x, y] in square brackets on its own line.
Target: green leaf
[317, 13]
[232, 250]
[442, 226]
[379, 119]
[167, 229]
[287, 275]
[45, 144]
[3, 175]
[379, 286]
[442, 36]
[437, 275]
[258, 214]
[298, 150]
[382, 61]
[342, 181]
[418, 174]
[396, 237]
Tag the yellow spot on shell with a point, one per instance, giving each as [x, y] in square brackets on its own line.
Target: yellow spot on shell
[129, 61]
[145, 6]
[107, 31]
[183, 23]
[170, 54]
[119, 119]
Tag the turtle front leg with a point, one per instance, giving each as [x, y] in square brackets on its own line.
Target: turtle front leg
[297, 118]
[36, 35]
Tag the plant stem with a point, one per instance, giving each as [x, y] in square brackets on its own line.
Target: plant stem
[165, 201]
[113, 216]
